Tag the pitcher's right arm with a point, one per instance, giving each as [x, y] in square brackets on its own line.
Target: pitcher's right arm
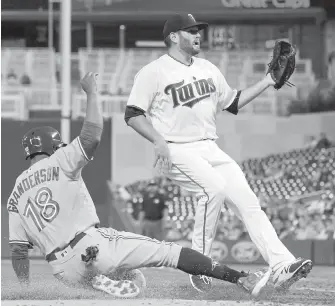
[140, 99]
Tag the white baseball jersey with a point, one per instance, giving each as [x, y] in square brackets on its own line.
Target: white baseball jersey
[50, 203]
[182, 101]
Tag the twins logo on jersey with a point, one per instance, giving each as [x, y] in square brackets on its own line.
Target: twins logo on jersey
[191, 93]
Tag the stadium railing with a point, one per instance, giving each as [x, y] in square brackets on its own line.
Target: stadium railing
[117, 69]
[13, 106]
[109, 105]
[108, 63]
[44, 98]
[35, 97]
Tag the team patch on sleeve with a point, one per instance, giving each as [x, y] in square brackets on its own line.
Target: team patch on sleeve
[20, 242]
[133, 111]
[233, 108]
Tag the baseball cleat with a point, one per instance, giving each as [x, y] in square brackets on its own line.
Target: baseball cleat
[285, 277]
[201, 283]
[119, 289]
[253, 283]
[136, 276]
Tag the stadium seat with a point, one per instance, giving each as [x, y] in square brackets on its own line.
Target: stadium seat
[106, 62]
[43, 67]
[135, 59]
[31, 72]
[117, 69]
[277, 179]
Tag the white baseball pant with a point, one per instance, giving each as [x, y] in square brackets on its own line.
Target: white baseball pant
[118, 251]
[202, 167]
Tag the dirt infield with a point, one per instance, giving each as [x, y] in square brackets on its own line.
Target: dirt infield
[164, 287]
[138, 302]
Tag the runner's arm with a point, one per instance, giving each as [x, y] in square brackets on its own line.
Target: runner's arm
[81, 150]
[19, 244]
[20, 262]
[90, 135]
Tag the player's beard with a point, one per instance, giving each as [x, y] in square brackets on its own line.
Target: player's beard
[189, 47]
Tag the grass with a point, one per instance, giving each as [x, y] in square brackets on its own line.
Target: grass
[317, 289]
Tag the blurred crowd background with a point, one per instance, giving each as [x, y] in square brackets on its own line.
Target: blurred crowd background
[295, 189]
[116, 38]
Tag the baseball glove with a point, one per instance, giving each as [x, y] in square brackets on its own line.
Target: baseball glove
[282, 64]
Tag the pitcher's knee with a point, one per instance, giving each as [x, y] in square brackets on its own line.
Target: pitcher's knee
[217, 192]
[212, 190]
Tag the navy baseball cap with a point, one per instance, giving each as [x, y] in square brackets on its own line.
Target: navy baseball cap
[179, 22]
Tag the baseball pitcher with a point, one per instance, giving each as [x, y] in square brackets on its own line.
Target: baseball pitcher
[51, 208]
[181, 96]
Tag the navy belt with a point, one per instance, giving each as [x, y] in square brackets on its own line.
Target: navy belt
[191, 141]
[153, 219]
[72, 244]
